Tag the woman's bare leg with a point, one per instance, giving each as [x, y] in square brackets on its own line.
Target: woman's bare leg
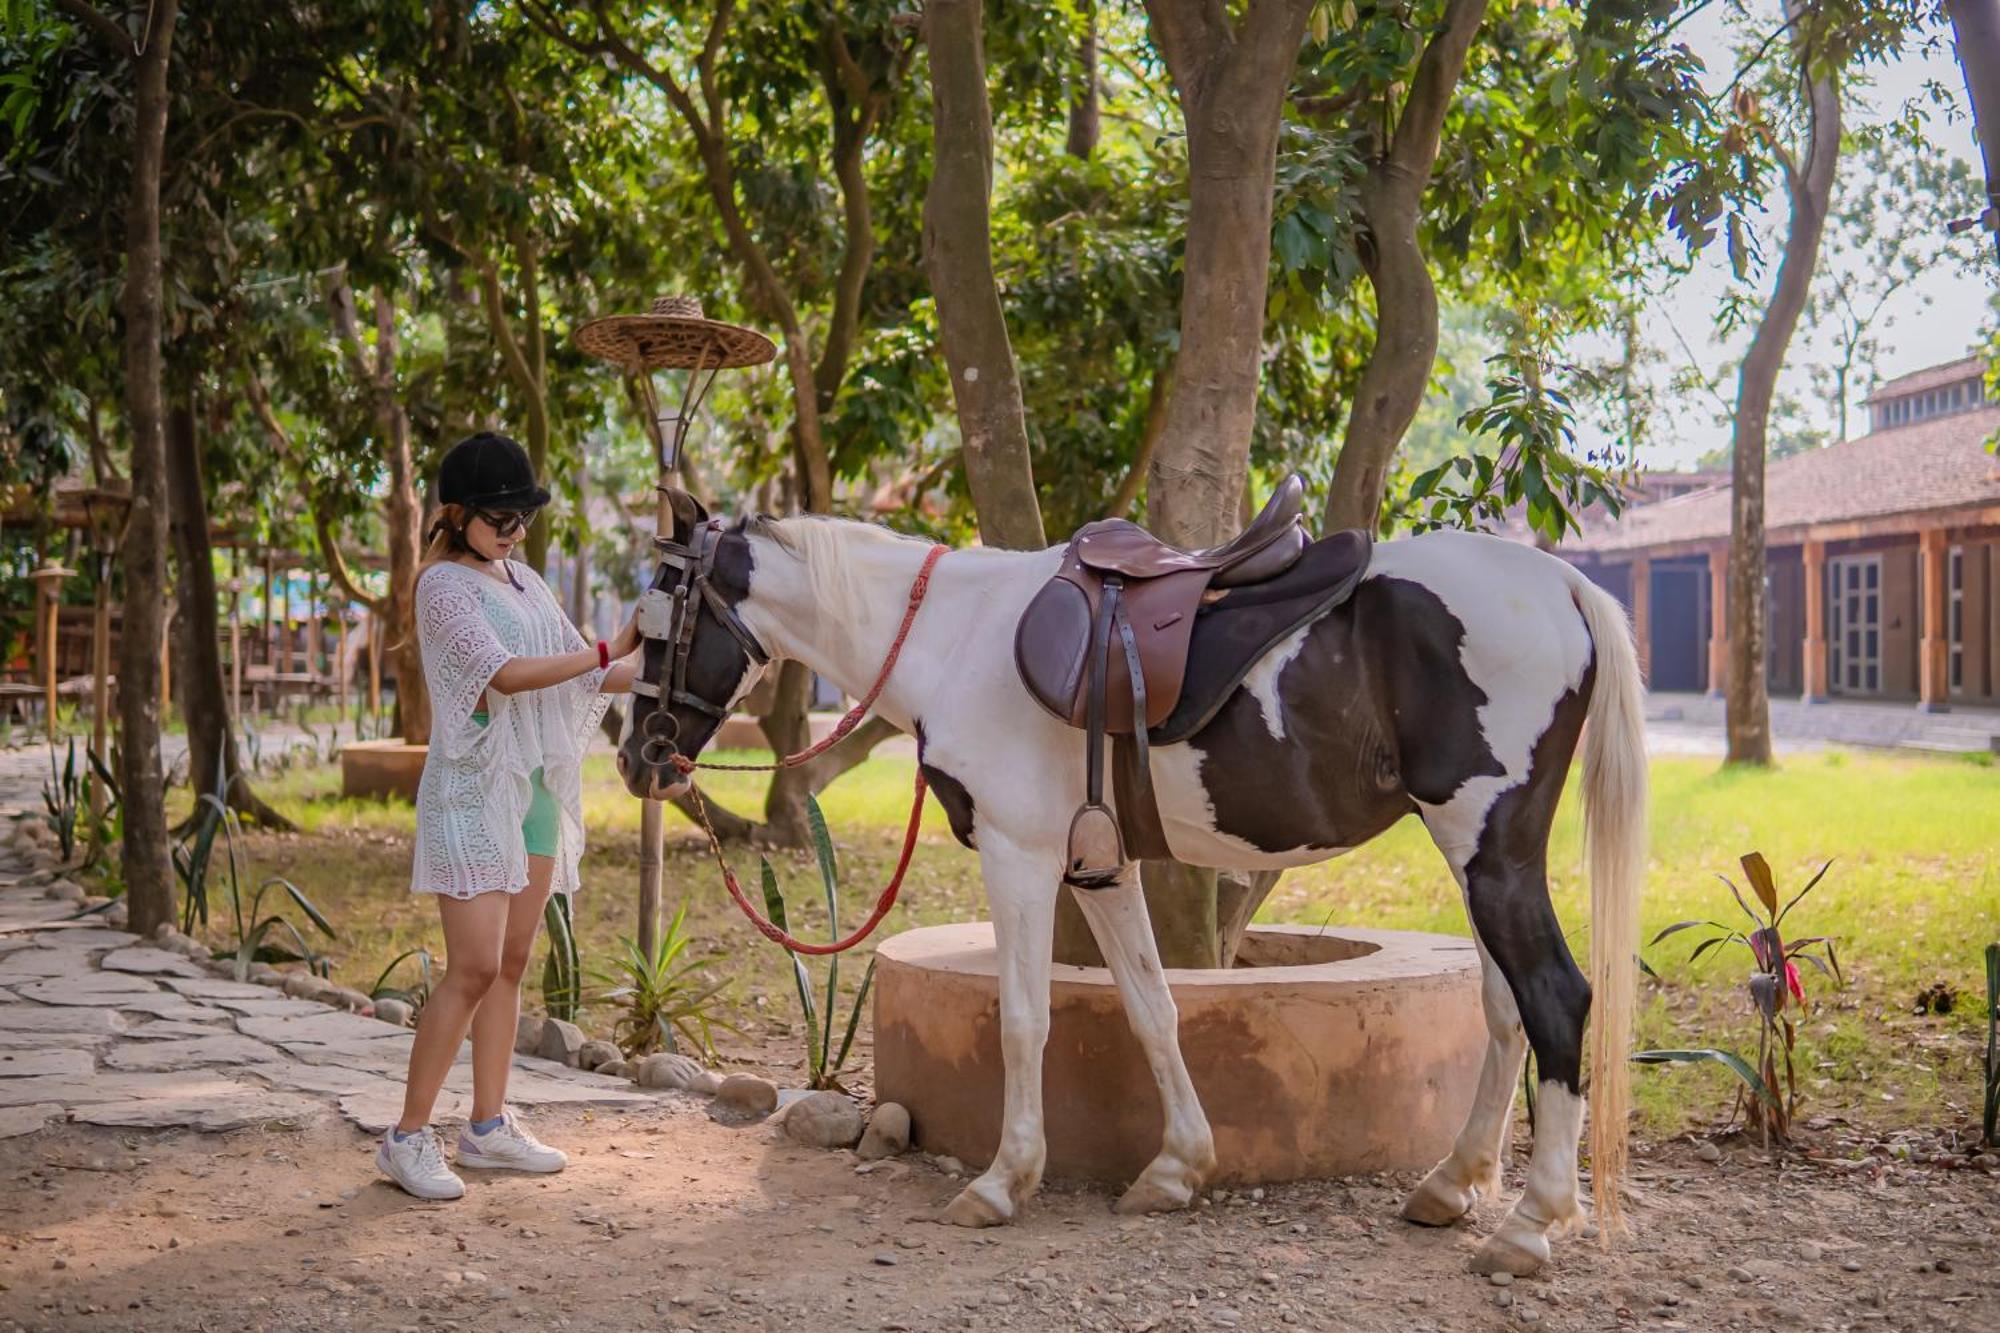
[474, 930]
[499, 1011]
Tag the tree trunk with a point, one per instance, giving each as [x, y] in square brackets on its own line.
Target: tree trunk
[1083, 120]
[958, 252]
[1231, 80]
[1406, 311]
[143, 857]
[1231, 84]
[1809, 186]
[204, 693]
[1976, 28]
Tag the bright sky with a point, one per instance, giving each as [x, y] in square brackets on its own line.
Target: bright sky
[1918, 334]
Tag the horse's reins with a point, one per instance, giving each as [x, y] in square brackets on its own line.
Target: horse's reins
[695, 560]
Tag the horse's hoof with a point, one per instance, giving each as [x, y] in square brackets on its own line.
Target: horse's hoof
[1516, 1254]
[1150, 1196]
[1438, 1202]
[971, 1209]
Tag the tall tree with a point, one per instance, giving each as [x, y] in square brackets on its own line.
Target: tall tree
[1976, 27]
[1821, 41]
[1391, 196]
[958, 252]
[144, 36]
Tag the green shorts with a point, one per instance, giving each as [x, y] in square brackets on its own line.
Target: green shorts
[541, 831]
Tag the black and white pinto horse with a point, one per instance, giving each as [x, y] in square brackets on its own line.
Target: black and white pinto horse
[1454, 684]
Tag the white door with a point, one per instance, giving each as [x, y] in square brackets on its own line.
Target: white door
[1856, 638]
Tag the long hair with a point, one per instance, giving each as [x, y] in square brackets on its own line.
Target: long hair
[446, 538]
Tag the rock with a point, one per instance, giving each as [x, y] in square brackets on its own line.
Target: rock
[888, 1133]
[824, 1120]
[1742, 1275]
[1501, 1279]
[596, 1054]
[1707, 1151]
[394, 1011]
[1851, 1266]
[951, 1166]
[528, 1034]
[615, 1069]
[63, 891]
[670, 1070]
[886, 1259]
[263, 974]
[305, 986]
[749, 1093]
[1810, 1252]
[116, 915]
[346, 997]
[560, 1041]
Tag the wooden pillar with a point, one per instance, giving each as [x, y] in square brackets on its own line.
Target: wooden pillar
[236, 633]
[100, 682]
[1718, 620]
[285, 623]
[1813, 559]
[48, 606]
[1934, 603]
[374, 666]
[270, 621]
[1642, 611]
[340, 661]
[166, 676]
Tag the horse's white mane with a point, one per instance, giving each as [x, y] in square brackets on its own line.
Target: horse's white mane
[836, 555]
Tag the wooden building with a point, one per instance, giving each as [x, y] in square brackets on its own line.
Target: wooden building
[1884, 558]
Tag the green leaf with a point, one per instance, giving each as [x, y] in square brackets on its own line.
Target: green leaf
[774, 901]
[854, 1019]
[1729, 1060]
[297, 895]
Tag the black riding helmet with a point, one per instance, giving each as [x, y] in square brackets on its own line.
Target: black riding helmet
[489, 471]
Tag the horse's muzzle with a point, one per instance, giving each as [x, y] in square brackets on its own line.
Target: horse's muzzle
[652, 781]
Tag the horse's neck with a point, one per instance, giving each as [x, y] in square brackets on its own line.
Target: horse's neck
[848, 642]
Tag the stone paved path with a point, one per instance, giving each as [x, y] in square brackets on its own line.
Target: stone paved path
[100, 1027]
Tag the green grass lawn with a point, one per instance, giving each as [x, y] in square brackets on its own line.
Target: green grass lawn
[1912, 898]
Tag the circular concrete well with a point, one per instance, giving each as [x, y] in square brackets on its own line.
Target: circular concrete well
[1323, 1052]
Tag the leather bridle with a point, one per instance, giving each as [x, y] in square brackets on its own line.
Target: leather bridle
[667, 613]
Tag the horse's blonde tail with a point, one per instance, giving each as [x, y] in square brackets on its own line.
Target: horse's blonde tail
[1614, 805]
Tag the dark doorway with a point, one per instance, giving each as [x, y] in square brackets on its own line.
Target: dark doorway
[1680, 624]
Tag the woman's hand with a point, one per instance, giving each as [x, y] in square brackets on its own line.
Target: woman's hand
[626, 641]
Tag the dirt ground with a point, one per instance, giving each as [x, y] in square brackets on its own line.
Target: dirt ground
[666, 1220]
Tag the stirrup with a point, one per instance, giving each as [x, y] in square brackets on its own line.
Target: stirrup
[1096, 851]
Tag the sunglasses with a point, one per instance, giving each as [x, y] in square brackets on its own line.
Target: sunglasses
[506, 523]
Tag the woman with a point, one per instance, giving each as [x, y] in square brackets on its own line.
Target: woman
[515, 695]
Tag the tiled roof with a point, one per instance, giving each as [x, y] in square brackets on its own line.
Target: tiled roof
[1941, 463]
[1931, 377]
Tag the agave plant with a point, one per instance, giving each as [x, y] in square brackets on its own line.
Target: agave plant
[1775, 990]
[254, 929]
[416, 995]
[562, 970]
[661, 995]
[63, 797]
[823, 1062]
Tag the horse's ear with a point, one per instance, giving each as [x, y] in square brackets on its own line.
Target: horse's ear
[688, 514]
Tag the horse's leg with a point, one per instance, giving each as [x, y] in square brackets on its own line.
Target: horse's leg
[1021, 890]
[1473, 1169]
[1499, 849]
[1117, 917]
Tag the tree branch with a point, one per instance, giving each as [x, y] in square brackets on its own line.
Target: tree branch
[120, 41]
[1149, 436]
[1421, 125]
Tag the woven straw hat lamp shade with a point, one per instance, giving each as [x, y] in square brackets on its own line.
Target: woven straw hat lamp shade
[674, 335]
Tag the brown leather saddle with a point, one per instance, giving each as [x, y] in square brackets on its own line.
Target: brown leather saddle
[1107, 644]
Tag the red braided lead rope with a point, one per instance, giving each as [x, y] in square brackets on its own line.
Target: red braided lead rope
[887, 900]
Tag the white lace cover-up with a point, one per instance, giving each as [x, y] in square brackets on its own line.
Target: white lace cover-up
[475, 789]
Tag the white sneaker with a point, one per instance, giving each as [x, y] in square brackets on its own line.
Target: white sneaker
[416, 1164]
[508, 1146]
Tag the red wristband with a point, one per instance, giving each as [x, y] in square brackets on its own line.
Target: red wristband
[603, 655]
